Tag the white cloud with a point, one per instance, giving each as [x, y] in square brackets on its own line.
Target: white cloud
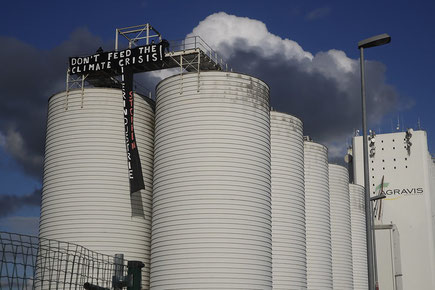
[318, 13]
[164, 73]
[222, 32]
[322, 89]
[335, 64]
[2, 140]
[13, 142]
[225, 32]
[336, 149]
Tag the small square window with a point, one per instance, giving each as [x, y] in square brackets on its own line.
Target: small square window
[406, 166]
[394, 167]
[383, 168]
[394, 159]
[394, 148]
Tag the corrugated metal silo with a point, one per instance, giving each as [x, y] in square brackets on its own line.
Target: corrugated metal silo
[318, 226]
[341, 236]
[359, 243]
[211, 203]
[289, 269]
[86, 197]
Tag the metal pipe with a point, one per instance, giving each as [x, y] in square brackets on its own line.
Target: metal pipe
[366, 179]
[375, 258]
[116, 39]
[148, 34]
[371, 242]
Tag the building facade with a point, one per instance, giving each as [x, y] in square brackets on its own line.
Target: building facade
[401, 167]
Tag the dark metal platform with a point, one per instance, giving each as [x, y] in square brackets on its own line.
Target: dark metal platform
[191, 55]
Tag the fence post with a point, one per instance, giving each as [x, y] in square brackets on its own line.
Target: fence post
[119, 271]
[135, 270]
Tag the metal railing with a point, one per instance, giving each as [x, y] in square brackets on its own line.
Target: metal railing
[179, 51]
[28, 262]
[196, 42]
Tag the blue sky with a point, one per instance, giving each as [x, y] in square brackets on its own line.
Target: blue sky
[308, 43]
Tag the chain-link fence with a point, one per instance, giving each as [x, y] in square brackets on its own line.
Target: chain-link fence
[28, 262]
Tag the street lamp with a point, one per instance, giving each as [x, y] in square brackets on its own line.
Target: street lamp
[367, 43]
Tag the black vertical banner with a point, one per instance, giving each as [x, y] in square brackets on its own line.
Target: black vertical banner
[133, 161]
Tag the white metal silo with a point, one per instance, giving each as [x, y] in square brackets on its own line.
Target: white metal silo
[359, 243]
[86, 197]
[318, 225]
[211, 203]
[341, 236]
[289, 266]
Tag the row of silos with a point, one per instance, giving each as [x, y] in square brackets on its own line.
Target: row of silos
[234, 196]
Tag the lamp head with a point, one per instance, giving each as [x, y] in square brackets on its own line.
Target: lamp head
[377, 40]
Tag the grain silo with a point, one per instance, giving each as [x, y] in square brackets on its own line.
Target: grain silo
[211, 203]
[318, 226]
[359, 242]
[86, 197]
[341, 237]
[289, 269]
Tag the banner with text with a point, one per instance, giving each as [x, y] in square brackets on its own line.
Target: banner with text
[133, 161]
[123, 63]
[114, 60]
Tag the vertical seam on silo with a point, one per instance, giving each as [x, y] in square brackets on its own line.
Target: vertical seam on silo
[199, 63]
[181, 74]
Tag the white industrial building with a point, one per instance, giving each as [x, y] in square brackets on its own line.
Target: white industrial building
[401, 167]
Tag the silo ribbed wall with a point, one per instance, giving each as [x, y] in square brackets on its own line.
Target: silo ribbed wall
[318, 225]
[289, 269]
[359, 243]
[211, 204]
[341, 236]
[86, 197]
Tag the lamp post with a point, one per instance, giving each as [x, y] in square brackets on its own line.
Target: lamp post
[367, 43]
